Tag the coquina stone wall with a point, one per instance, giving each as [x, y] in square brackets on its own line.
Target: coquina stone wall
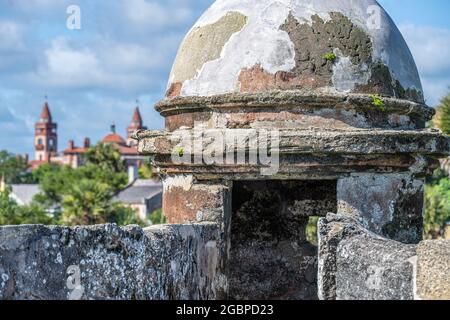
[356, 264]
[185, 262]
[108, 262]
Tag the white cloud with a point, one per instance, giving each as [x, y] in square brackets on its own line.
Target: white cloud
[33, 6]
[64, 65]
[430, 47]
[155, 14]
[11, 37]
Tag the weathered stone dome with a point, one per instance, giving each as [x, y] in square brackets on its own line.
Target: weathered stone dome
[253, 46]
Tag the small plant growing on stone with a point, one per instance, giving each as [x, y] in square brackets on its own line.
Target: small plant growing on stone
[331, 56]
[179, 151]
[378, 102]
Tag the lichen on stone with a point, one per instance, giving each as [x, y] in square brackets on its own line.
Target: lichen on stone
[205, 44]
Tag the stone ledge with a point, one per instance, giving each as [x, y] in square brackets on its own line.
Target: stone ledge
[357, 142]
[290, 99]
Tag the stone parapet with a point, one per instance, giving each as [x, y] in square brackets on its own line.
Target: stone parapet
[356, 264]
[108, 262]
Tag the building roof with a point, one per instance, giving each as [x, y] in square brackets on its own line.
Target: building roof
[264, 45]
[114, 138]
[139, 191]
[45, 113]
[24, 193]
[34, 164]
[76, 150]
[137, 116]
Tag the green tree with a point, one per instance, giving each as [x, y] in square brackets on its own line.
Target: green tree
[54, 181]
[147, 171]
[13, 168]
[106, 157]
[437, 213]
[442, 118]
[157, 217]
[104, 163]
[13, 214]
[90, 202]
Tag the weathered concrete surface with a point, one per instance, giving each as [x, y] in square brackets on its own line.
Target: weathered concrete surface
[167, 262]
[189, 201]
[291, 100]
[355, 142]
[389, 205]
[204, 44]
[331, 230]
[371, 268]
[355, 264]
[276, 43]
[433, 270]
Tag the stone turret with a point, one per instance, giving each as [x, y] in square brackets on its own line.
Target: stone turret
[278, 113]
[331, 88]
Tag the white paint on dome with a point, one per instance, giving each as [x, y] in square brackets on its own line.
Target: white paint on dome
[262, 42]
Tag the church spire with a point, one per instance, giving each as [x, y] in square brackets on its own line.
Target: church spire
[46, 115]
[136, 124]
[137, 116]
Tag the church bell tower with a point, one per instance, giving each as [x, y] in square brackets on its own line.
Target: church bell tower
[46, 137]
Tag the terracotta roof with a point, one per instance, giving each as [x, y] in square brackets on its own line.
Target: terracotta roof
[36, 164]
[75, 151]
[114, 138]
[45, 114]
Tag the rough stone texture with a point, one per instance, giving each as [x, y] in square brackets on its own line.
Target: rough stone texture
[189, 201]
[357, 142]
[292, 99]
[282, 46]
[331, 230]
[370, 268]
[311, 68]
[433, 270]
[270, 257]
[167, 262]
[355, 264]
[390, 205]
[205, 44]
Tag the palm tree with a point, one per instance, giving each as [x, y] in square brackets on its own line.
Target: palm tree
[91, 202]
[87, 202]
[106, 157]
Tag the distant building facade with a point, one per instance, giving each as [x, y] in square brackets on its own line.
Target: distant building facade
[46, 144]
[143, 196]
[45, 137]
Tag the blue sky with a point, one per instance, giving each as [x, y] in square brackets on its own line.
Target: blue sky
[124, 52]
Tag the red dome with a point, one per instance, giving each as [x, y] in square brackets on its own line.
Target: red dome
[114, 138]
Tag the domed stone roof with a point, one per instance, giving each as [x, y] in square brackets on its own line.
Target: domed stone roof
[253, 46]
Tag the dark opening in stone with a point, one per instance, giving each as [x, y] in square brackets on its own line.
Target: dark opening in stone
[270, 256]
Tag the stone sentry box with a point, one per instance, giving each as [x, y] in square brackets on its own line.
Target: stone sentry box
[373, 175]
[346, 102]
